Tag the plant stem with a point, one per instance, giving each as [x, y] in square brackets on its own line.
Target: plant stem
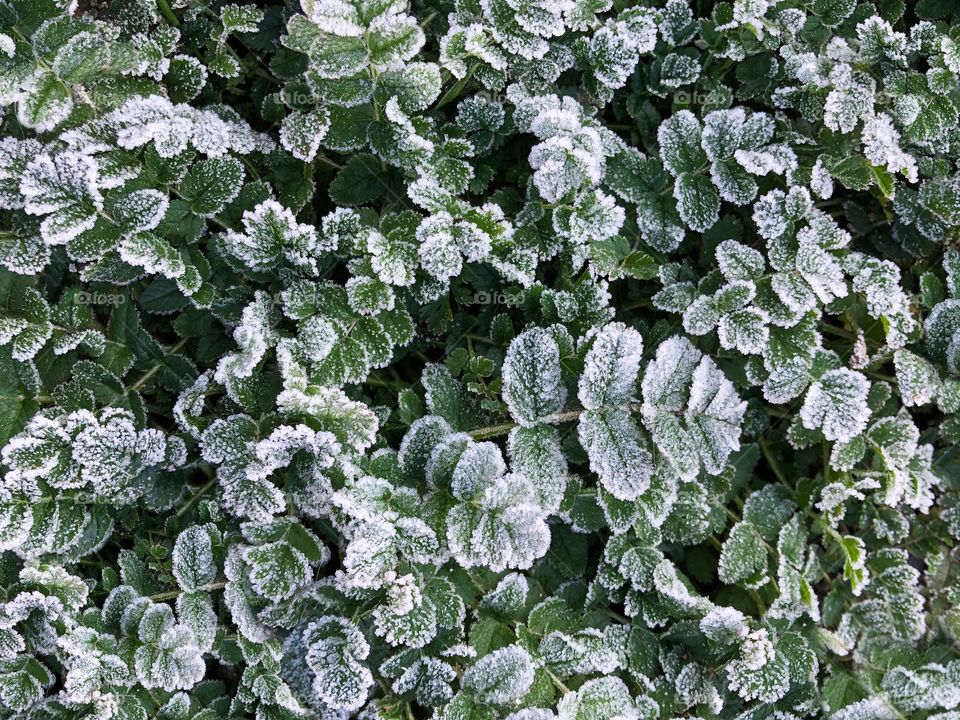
[171, 594]
[168, 13]
[156, 368]
[489, 431]
[196, 496]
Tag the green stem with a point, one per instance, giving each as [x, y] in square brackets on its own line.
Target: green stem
[171, 594]
[196, 496]
[168, 13]
[453, 92]
[557, 681]
[490, 431]
[156, 368]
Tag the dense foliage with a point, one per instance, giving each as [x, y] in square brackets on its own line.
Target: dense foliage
[479, 359]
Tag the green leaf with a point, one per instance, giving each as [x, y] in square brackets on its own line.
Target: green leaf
[211, 184]
[362, 180]
[833, 12]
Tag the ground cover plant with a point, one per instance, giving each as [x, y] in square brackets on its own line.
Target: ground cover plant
[479, 360]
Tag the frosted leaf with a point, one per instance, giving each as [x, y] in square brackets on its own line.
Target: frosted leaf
[746, 330]
[369, 296]
[770, 214]
[57, 582]
[438, 251]
[659, 222]
[767, 683]
[612, 56]
[7, 45]
[240, 18]
[428, 679]
[273, 237]
[406, 617]
[533, 387]
[255, 334]
[15, 155]
[854, 562]
[714, 415]
[508, 598]
[618, 453]
[503, 528]
[724, 625]
[739, 262]
[582, 653]
[536, 453]
[171, 659]
[681, 379]
[227, 438]
[881, 145]
[502, 676]
[44, 101]
[352, 423]
[24, 255]
[64, 188]
[906, 463]
[193, 564]
[392, 39]
[679, 138]
[678, 70]
[743, 557]
[820, 181]
[153, 254]
[917, 378]
[593, 217]
[521, 28]
[478, 466]
[778, 159]
[564, 163]
[837, 404]
[701, 316]
[280, 447]
[723, 133]
[249, 497]
[666, 379]
[879, 41]
[874, 708]
[694, 686]
[611, 367]
[336, 651]
[418, 444]
[301, 133]
[697, 201]
[605, 698]
[337, 18]
[416, 540]
[370, 556]
[142, 209]
[171, 127]
[91, 661]
[733, 182]
[851, 99]
[532, 714]
[195, 611]
[821, 271]
[930, 686]
[894, 606]
[277, 569]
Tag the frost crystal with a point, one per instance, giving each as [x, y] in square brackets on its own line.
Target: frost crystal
[837, 404]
